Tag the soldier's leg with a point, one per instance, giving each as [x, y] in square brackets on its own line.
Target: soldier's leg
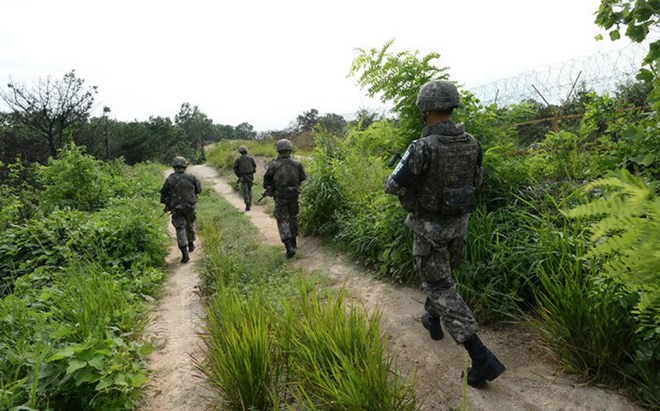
[248, 193]
[294, 209]
[432, 265]
[190, 229]
[283, 217]
[180, 223]
[435, 270]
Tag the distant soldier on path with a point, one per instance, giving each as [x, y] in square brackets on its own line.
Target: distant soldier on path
[282, 181]
[179, 194]
[244, 168]
[437, 182]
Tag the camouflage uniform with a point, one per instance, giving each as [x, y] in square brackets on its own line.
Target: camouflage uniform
[437, 181]
[444, 159]
[179, 194]
[282, 181]
[244, 168]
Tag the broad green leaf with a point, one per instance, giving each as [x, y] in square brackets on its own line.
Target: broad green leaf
[63, 353]
[136, 380]
[62, 331]
[75, 365]
[97, 362]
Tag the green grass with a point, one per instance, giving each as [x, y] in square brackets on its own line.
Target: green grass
[277, 336]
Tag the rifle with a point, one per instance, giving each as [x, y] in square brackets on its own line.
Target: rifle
[395, 157]
[263, 195]
[165, 210]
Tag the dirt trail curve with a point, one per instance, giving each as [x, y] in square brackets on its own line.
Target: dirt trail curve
[530, 383]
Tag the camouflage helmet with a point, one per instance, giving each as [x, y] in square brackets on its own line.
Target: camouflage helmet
[437, 95]
[242, 150]
[283, 145]
[179, 162]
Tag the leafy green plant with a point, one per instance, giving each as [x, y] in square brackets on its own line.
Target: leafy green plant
[396, 78]
[585, 321]
[626, 239]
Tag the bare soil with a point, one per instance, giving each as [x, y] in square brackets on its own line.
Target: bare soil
[531, 382]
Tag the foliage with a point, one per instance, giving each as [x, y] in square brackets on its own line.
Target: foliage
[78, 181]
[330, 338]
[626, 241]
[196, 126]
[51, 107]
[585, 321]
[273, 340]
[223, 154]
[397, 77]
[78, 282]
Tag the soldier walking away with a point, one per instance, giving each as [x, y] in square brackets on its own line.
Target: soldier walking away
[179, 194]
[437, 181]
[282, 181]
[244, 168]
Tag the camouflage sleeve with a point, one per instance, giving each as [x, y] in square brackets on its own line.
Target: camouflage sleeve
[418, 157]
[406, 172]
[392, 187]
[254, 165]
[268, 177]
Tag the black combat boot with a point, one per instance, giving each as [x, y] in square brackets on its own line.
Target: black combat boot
[185, 257]
[191, 246]
[290, 248]
[247, 207]
[485, 366]
[432, 324]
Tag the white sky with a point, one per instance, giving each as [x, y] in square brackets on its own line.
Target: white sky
[266, 62]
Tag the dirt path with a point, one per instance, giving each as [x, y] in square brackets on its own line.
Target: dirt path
[530, 383]
[175, 383]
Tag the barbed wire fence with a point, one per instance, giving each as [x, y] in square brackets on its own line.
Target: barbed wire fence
[553, 84]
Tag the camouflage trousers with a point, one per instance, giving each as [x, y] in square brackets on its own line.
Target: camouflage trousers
[184, 223]
[246, 191]
[286, 214]
[434, 263]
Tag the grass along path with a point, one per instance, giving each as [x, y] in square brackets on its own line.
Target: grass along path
[530, 383]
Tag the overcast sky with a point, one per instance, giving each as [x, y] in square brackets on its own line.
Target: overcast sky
[266, 62]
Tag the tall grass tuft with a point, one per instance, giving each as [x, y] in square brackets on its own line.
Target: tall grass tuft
[584, 321]
[274, 341]
[243, 359]
[339, 359]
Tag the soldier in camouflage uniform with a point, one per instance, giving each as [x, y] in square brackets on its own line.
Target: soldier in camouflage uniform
[437, 181]
[179, 194]
[244, 168]
[282, 181]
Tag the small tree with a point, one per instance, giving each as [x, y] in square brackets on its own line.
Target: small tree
[397, 77]
[307, 120]
[50, 107]
[196, 126]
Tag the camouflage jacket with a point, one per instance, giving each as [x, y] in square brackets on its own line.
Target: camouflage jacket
[244, 167]
[180, 191]
[283, 177]
[444, 158]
